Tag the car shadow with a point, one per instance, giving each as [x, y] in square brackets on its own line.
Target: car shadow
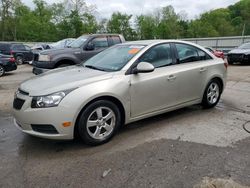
[45, 147]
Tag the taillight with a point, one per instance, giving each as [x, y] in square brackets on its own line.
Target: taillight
[12, 59]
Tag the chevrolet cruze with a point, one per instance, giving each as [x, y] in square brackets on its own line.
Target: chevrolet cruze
[120, 85]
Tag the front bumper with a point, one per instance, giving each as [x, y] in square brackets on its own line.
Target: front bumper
[37, 70]
[241, 58]
[44, 64]
[27, 117]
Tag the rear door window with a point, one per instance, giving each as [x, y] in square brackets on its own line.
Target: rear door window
[188, 53]
[18, 47]
[115, 40]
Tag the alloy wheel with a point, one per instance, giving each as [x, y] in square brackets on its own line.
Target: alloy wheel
[101, 123]
[213, 93]
[1, 70]
[19, 60]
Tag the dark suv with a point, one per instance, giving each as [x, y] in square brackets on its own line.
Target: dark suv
[21, 52]
[78, 51]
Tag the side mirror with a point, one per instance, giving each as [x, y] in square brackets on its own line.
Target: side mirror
[144, 67]
[90, 46]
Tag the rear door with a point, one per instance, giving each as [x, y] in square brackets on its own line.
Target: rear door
[192, 72]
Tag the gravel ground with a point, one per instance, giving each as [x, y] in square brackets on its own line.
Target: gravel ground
[185, 148]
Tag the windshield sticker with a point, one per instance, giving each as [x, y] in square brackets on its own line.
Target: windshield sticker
[133, 51]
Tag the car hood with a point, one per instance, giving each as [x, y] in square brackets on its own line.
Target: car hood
[62, 79]
[240, 51]
[55, 51]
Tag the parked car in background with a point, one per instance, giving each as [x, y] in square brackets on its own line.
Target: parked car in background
[120, 85]
[81, 49]
[217, 53]
[240, 54]
[7, 64]
[62, 43]
[22, 53]
[40, 47]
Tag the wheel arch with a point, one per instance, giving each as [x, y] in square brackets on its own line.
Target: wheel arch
[105, 97]
[219, 79]
[65, 61]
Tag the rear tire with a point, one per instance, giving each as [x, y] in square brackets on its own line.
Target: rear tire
[99, 122]
[19, 60]
[212, 94]
[2, 71]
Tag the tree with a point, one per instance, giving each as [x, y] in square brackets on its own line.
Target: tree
[120, 23]
[146, 26]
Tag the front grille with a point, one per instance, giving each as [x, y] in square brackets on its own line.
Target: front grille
[44, 128]
[236, 56]
[23, 92]
[18, 103]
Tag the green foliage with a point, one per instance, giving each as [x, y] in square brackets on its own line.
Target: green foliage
[74, 18]
[120, 23]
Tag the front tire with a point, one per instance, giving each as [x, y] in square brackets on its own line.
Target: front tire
[99, 122]
[2, 71]
[212, 94]
[63, 65]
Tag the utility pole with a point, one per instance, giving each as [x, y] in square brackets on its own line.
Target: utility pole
[243, 32]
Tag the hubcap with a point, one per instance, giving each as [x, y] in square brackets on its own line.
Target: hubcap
[19, 60]
[101, 123]
[213, 93]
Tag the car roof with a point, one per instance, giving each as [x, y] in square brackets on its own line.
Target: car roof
[156, 41]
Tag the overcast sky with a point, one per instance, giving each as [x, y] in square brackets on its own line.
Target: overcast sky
[192, 7]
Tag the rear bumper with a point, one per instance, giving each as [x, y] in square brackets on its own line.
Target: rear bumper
[9, 66]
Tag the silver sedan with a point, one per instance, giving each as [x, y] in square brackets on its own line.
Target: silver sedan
[120, 85]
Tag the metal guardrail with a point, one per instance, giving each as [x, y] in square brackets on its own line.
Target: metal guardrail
[220, 43]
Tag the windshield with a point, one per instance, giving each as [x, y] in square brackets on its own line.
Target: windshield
[245, 46]
[113, 59]
[78, 42]
[59, 44]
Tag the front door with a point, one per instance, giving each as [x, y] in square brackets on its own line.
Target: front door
[100, 44]
[154, 91]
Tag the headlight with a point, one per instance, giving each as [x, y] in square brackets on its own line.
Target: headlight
[44, 57]
[48, 100]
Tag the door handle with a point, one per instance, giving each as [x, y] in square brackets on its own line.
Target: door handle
[171, 77]
[203, 69]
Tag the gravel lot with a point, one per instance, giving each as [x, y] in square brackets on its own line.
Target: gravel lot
[177, 149]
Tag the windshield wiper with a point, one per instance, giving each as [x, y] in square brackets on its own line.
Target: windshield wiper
[93, 67]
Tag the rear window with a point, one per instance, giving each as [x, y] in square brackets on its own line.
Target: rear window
[4, 47]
